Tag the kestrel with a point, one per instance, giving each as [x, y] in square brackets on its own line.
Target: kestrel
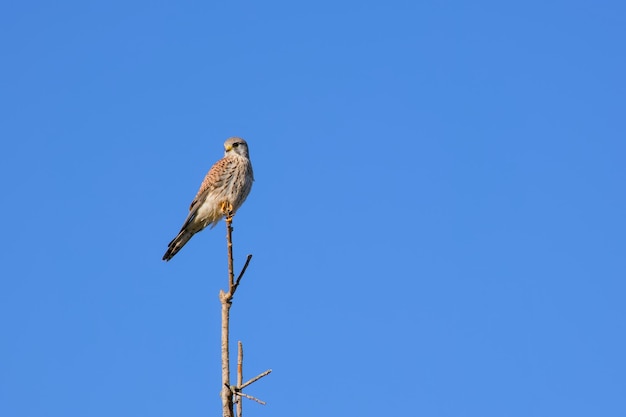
[226, 186]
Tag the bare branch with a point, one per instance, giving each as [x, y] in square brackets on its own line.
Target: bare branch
[226, 298]
[256, 378]
[250, 397]
[229, 238]
[240, 371]
[227, 395]
[232, 394]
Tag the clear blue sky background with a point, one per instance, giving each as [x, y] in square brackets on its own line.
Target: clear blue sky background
[438, 222]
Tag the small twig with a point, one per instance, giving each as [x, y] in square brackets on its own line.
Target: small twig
[243, 271]
[256, 378]
[250, 397]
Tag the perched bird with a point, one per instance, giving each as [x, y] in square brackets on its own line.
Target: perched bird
[225, 188]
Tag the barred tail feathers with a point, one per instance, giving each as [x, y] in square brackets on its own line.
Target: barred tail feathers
[177, 244]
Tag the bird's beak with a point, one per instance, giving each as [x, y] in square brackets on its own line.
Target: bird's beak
[228, 148]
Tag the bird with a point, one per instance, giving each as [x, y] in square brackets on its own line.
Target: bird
[223, 190]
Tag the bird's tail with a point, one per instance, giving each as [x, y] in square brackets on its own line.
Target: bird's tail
[177, 244]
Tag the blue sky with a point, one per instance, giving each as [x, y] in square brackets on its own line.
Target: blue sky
[438, 218]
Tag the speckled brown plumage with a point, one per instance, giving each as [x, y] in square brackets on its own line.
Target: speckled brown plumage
[228, 181]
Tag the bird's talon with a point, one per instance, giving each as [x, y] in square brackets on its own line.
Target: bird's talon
[227, 209]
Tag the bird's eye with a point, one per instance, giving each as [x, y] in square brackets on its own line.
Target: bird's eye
[235, 144]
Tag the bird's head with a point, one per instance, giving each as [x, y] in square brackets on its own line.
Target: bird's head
[237, 146]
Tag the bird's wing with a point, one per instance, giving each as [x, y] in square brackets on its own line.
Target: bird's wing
[214, 178]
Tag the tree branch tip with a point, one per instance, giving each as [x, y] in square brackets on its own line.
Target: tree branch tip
[250, 397]
[243, 271]
[256, 378]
